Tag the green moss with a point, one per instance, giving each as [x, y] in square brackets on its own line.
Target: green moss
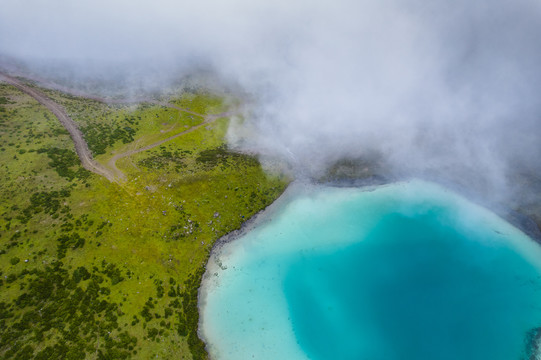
[108, 270]
[201, 102]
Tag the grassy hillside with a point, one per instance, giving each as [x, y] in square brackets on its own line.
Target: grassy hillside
[99, 270]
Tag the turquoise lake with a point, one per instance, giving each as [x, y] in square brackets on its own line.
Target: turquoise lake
[407, 271]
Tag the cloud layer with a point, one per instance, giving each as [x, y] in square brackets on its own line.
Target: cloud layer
[439, 87]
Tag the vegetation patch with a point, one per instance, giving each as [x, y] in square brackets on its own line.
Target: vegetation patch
[97, 270]
[66, 163]
[100, 136]
[200, 101]
[43, 201]
[166, 158]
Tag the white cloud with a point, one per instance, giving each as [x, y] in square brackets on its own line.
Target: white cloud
[446, 85]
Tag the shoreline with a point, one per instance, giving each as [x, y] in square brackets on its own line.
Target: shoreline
[267, 215]
[262, 216]
[518, 220]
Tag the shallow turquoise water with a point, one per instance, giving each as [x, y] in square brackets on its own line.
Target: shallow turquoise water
[407, 271]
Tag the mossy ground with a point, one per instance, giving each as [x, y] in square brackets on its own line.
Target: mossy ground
[93, 269]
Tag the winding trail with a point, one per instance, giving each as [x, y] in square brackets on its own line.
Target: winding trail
[81, 147]
[111, 172]
[207, 120]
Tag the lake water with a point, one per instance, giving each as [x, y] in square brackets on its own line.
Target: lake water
[406, 271]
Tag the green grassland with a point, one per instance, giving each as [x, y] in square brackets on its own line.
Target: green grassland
[100, 270]
[117, 127]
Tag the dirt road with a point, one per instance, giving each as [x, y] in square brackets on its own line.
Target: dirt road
[81, 147]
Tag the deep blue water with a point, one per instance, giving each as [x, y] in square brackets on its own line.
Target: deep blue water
[406, 272]
[413, 289]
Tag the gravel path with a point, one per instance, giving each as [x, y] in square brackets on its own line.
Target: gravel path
[113, 174]
[81, 147]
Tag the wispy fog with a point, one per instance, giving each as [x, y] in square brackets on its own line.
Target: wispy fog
[436, 88]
